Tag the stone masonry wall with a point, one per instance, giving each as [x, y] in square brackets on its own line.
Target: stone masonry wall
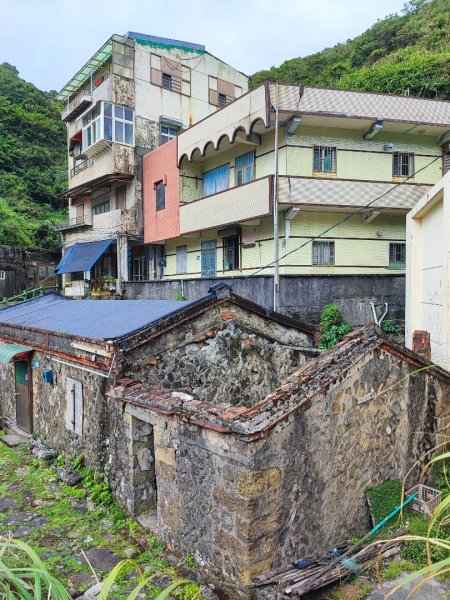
[50, 407]
[243, 507]
[7, 389]
[225, 355]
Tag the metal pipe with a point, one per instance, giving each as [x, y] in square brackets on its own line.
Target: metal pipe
[276, 254]
[64, 362]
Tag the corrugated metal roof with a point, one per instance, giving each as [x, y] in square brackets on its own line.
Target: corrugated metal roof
[9, 351]
[96, 319]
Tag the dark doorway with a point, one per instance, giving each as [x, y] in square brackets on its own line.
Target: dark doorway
[24, 408]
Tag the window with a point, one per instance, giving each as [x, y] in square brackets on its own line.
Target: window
[397, 256]
[244, 168]
[216, 180]
[181, 259]
[166, 81]
[323, 253]
[140, 268]
[74, 406]
[231, 253]
[222, 100]
[160, 195]
[100, 204]
[324, 159]
[108, 122]
[402, 164]
[168, 133]
[42, 271]
[2, 275]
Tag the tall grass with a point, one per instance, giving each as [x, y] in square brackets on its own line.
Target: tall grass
[34, 582]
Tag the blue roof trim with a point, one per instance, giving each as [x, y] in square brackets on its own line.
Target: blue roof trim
[82, 257]
[166, 41]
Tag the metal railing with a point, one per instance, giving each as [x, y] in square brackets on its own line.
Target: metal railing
[85, 164]
[26, 295]
[74, 222]
[84, 96]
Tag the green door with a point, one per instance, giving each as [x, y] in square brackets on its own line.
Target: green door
[24, 412]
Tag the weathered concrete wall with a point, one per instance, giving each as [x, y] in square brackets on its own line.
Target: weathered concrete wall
[224, 355]
[301, 296]
[14, 262]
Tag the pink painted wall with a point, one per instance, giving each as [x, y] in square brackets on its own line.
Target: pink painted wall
[161, 164]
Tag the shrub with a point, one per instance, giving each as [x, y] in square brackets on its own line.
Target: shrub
[332, 327]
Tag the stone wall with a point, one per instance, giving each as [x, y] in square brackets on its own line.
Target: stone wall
[7, 389]
[246, 507]
[224, 355]
[301, 296]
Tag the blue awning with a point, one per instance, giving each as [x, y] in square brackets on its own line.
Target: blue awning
[82, 257]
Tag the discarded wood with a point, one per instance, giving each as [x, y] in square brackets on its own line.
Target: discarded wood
[298, 581]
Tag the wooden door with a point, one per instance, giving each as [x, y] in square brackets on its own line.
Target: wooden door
[24, 408]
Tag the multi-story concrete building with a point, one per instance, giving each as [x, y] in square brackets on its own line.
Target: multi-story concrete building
[136, 92]
[338, 152]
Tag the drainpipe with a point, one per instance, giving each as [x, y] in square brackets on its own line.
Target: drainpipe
[276, 254]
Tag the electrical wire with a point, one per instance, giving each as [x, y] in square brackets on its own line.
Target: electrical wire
[345, 219]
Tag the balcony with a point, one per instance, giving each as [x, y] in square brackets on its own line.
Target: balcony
[75, 223]
[116, 162]
[76, 107]
[236, 205]
[85, 164]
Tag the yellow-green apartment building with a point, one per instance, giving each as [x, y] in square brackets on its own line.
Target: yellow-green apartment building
[338, 152]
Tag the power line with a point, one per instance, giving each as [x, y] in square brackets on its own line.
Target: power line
[345, 219]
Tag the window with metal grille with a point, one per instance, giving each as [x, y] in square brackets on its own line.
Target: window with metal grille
[160, 195]
[244, 168]
[397, 256]
[231, 253]
[402, 164]
[166, 81]
[2, 275]
[324, 159]
[323, 253]
[168, 133]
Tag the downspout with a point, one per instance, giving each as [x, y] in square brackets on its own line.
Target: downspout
[276, 265]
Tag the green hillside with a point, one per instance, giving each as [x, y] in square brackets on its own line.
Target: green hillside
[401, 54]
[32, 163]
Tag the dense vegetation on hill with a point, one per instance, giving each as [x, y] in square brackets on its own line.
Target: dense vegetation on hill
[32, 164]
[407, 53]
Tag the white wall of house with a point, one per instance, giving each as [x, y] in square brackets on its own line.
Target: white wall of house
[427, 276]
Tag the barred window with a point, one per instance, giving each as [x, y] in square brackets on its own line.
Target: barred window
[325, 159]
[160, 195]
[323, 253]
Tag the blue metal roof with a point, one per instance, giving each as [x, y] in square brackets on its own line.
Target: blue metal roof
[96, 319]
[82, 257]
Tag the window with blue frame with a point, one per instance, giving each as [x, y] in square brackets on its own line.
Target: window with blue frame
[244, 167]
[324, 159]
[216, 180]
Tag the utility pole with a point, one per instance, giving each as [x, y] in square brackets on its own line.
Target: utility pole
[276, 253]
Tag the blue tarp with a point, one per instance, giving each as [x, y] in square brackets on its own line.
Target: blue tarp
[96, 319]
[82, 257]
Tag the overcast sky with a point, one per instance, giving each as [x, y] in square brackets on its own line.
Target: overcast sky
[49, 40]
